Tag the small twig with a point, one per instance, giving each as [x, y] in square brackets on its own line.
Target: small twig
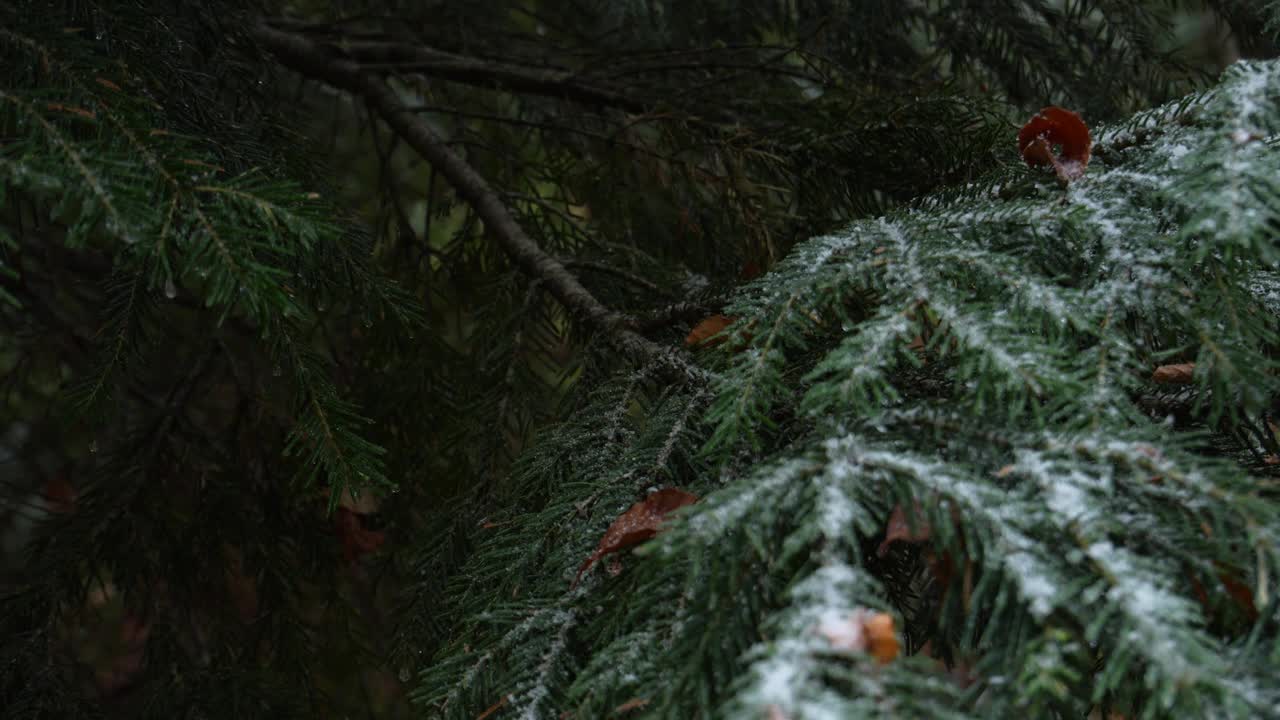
[618, 272]
[483, 73]
[676, 312]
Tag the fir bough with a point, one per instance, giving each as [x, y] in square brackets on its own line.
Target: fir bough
[179, 307]
[1103, 551]
[171, 413]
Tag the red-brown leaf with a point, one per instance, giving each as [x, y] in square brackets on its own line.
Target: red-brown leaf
[882, 641]
[640, 522]
[1177, 374]
[632, 704]
[356, 540]
[708, 331]
[1056, 126]
[900, 528]
[1240, 593]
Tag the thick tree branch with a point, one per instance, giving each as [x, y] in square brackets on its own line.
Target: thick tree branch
[383, 56]
[551, 82]
[312, 60]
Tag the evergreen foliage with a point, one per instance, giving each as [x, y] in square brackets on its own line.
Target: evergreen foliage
[165, 280]
[325, 439]
[1024, 431]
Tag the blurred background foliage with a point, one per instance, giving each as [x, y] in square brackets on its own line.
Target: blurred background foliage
[238, 469]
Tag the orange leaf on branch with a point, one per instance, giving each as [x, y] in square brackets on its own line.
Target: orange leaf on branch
[709, 331]
[632, 704]
[1056, 127]
[640, 522]
[882, 641]
[1177, 374]
[863, 631]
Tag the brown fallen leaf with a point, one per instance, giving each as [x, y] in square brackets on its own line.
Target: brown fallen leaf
[708, 331]
[863, 630]
[1055, 126]
[356, 540]
[882, 640]
[1239, 593]
[364, 504]
[900, 528]
[640, 522]
[1177, 374]
[941, 564]
[632, 704]
[71, 109]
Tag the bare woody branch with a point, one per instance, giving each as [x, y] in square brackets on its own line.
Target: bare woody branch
[327, 64]
[550, 82]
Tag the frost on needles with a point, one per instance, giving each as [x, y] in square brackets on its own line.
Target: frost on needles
[1096, 542]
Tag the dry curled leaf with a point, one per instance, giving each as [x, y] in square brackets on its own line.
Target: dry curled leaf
[916, 528]
[900, 527]
[71, 109]
[363, 503]
[708, 331]
[356, 540]
[640, 522]
[632, 704]
[1177, 374]
[863, 631]
[883, 641]
[1241, 595]
[1056, 127]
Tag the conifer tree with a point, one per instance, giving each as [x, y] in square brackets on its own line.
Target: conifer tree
[570, 359]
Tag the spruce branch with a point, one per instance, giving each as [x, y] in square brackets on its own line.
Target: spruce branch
[313, 60]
